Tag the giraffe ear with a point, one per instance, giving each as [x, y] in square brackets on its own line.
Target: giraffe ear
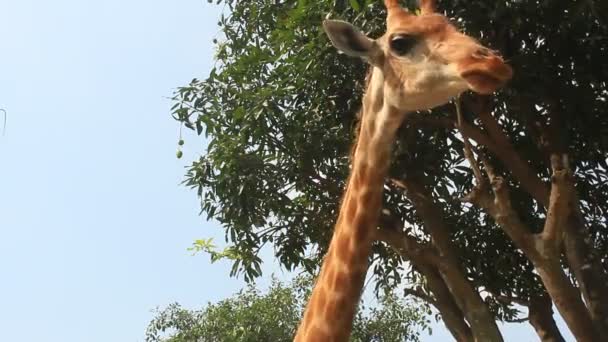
[348, 39]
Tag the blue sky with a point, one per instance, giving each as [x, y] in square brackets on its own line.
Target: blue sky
[94, 224]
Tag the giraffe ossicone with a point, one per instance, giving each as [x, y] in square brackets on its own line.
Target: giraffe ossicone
[422, 61]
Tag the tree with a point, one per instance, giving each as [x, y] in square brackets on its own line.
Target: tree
[254, 316]
[519, 215]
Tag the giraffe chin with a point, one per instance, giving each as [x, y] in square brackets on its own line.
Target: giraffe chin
[482, 82]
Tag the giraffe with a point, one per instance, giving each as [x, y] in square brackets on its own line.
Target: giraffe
[421, 61]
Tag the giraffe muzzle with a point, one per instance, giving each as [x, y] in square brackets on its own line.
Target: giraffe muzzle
[485, 72]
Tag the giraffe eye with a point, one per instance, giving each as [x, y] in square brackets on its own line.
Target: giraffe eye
[401, 44]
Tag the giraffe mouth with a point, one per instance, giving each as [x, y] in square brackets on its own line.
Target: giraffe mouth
[482, 82]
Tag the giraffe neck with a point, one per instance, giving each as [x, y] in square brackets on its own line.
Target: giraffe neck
[333, 303]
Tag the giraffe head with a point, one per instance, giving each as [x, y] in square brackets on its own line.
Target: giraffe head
[424, 60]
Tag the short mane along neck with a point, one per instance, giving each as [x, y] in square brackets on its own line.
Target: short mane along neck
[333, 303]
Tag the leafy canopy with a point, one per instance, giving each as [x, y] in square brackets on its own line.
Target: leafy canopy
[252, 316]
[279, 109]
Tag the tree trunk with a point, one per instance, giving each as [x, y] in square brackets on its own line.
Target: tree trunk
[591, 278]
[451, 314]
[567, 300]
[426, 261]
[542, 250]
[569, 233]
[476, 311]
[540, 317]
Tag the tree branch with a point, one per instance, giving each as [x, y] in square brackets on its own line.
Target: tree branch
[443, 122]
[407, 246]
[469, 301]
[468, 149]
[510, 299]
[390, 232]
[560, 201]
[518, 320]
[498, 206]
[420, 294]
[506, 153]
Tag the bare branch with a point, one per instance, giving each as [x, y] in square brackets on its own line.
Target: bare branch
[443, 255]
[510, 299]
[470, 131]
[398, 183]
[518, 320]
[407, 246]
[560, 201]
[468, 149]
[426, 262]
[505, 151]
[420, 294]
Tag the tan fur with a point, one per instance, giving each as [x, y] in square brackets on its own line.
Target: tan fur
[442, 65]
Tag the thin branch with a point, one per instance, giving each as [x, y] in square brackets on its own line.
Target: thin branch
[479, 192]
[468, 149]
[420, 294]
[472, 132]
[498, 206]
[407, 246]
[510, 299]
[505, 151]
[398, 183]
[518, 320]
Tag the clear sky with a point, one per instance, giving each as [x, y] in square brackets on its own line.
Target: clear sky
[94, 224]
